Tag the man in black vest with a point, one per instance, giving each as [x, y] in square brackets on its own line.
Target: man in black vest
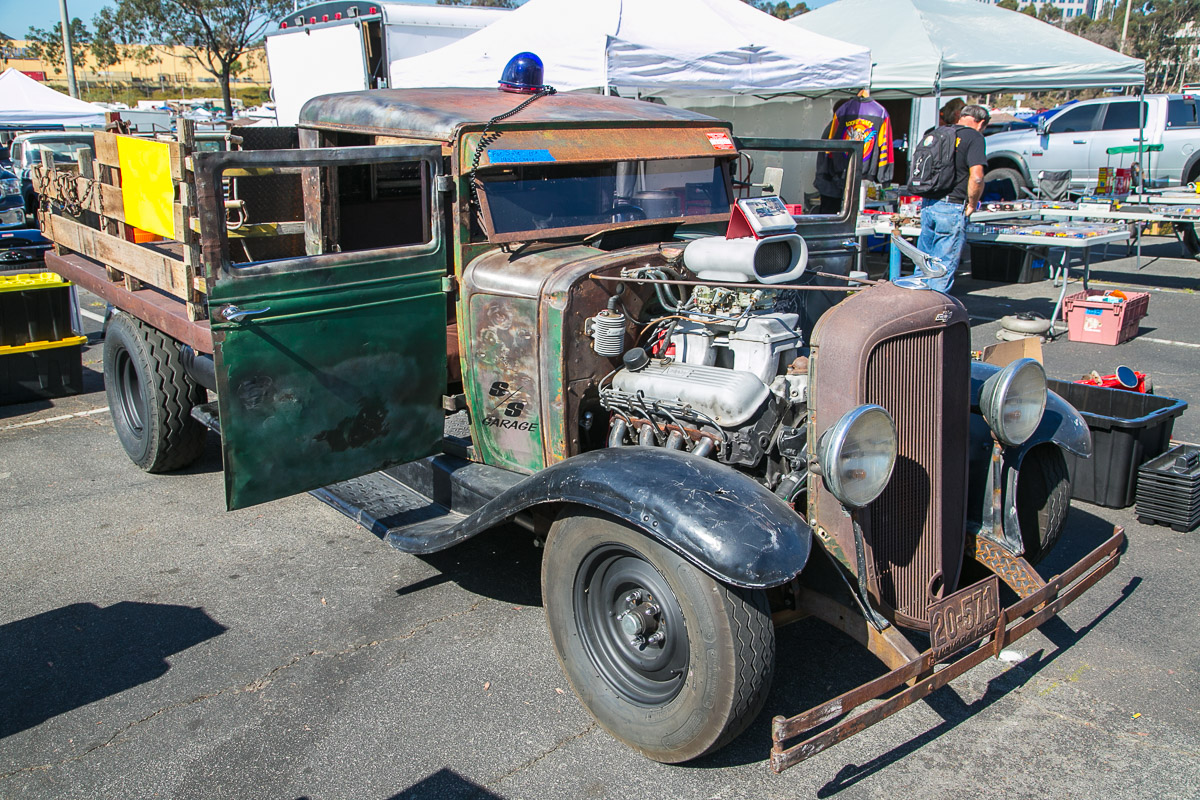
[944, 219]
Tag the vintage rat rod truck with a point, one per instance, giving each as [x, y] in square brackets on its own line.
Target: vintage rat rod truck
[669, 379]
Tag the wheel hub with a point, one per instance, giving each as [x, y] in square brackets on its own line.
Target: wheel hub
[631, 625]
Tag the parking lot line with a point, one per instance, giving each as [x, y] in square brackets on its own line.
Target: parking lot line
[59, 418]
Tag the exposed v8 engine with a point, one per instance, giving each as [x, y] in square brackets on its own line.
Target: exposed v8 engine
[720, 374]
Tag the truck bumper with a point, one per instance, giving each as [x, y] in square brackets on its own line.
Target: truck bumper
[1011, 623]
[24, 244]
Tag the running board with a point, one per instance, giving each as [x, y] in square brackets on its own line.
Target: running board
[418, 507]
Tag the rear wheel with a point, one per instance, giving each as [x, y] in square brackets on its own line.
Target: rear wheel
[1043, 500]
[1008, 174]
[150, 396]
[668, 660]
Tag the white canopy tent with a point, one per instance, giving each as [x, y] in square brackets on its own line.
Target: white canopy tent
[927, 47]
[24, 101]
[659, 47]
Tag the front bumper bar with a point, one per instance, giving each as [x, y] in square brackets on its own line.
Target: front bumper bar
[1059, 592]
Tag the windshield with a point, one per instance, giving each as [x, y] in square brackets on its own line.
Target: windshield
[62, 151]
[541, 197]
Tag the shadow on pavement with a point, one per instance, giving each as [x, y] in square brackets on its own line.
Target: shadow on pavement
[445, 783]
[64, 659]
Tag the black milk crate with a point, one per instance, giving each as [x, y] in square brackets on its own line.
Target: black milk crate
[39, 370]
[1128, 429]
[1168, 489]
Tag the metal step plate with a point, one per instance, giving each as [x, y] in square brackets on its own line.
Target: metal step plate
[386, 507]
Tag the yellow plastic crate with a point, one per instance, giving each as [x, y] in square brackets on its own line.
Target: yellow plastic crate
[32, 280]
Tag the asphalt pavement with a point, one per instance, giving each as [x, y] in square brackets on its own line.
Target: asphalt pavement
[154, 645]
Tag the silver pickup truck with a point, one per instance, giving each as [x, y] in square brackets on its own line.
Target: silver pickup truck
[1079, 136]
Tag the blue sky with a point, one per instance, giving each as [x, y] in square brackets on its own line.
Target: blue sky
[16, 16]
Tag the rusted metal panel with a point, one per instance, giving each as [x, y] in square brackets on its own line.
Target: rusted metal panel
[931, 486]
[167, 314]
[572, 145]
[439, 113]
[1011, 624]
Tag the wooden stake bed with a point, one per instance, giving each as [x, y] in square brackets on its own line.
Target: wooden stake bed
[90, 218]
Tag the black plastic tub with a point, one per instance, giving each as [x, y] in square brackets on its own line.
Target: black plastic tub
[1005, 263]
[1128, 429]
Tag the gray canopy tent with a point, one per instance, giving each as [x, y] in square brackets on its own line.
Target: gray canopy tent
[931, 47]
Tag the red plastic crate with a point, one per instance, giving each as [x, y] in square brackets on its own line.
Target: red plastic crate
[1099, 322]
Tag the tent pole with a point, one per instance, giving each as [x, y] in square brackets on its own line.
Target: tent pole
[1142, 137]
[68, 54]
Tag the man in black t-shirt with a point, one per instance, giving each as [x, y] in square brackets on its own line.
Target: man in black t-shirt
[944, 219]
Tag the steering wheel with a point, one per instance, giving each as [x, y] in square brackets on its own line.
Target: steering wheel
[619, 210]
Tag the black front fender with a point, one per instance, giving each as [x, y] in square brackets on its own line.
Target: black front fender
[714, 516]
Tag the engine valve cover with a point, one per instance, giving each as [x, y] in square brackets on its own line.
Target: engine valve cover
[729, 397]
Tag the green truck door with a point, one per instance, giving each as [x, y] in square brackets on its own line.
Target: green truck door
[331, 360]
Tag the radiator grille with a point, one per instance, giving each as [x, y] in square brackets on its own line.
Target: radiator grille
[914, 529]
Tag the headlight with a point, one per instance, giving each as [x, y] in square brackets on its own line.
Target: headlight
[857, 455]
[1013, 400]
[10, 186]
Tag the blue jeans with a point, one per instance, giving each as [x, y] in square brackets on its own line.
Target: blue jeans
[943, 231]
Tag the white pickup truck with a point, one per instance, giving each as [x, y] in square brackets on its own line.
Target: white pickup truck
[1078, 138]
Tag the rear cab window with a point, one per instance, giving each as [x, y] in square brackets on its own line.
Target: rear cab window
[1182, 113]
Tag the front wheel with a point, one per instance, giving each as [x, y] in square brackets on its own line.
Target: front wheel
[668, 660]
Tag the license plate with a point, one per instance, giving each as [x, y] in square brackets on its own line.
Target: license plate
[963, 617]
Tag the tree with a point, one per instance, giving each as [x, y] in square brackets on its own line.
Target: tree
[1011, 5]
[1049, 13]
[215, 34]
[47, 46]
[780, 10]
[1164, 33]
[1030, 9]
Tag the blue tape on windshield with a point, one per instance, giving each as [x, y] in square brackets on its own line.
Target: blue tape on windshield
[518, 156]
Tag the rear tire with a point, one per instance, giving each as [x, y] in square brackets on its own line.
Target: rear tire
[1043, 500]
[686, 694]
[150, 396]
[1007, 173]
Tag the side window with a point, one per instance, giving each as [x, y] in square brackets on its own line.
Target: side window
[14, 155]
[316, 204]
[1182, 114]
[1075, 120]
[1123, 116]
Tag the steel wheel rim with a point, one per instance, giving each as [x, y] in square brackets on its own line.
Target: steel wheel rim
[648, 674]
[132, 405]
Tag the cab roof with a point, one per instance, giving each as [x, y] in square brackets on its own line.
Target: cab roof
[440, 113]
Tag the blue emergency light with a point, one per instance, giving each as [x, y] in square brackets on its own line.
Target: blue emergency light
[522, 74]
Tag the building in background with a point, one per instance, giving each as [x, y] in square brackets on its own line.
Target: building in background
[1069, 8]
[168, 69]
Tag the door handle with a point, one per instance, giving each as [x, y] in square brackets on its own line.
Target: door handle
[235, 314]
[850, 244]
[1079, 141]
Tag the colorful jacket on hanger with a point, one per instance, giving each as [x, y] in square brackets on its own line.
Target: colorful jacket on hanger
[864, 120]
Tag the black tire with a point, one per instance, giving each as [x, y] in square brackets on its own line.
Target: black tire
[1043, 499]
[150, 396]
[1007, 173]
[674, 700]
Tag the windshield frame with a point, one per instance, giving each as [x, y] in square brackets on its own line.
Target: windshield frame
[722, 162]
